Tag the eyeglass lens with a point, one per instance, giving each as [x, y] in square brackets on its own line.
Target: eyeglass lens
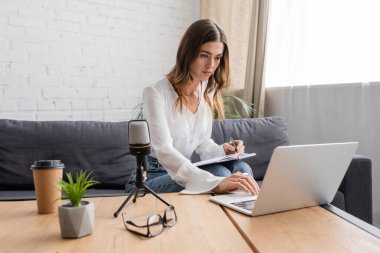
[170, 217]
[155, 224]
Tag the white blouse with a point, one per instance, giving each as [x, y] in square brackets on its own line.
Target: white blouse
[175, 136]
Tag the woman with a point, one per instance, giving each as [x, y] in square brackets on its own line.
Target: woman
[179, 111]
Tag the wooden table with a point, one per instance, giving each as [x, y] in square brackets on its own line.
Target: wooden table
[202, 226]
[312, 229]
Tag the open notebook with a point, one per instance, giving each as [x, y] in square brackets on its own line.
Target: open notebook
[225, 158]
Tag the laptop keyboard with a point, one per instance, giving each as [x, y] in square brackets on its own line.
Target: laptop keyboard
[248, 204]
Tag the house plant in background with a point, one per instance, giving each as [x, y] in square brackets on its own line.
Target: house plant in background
[76, 217]
[234, 108]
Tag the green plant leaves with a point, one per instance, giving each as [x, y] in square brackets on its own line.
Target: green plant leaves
[75, 189]
[236, 108]
[137, 111]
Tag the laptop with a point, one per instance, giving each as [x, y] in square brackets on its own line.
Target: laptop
[297, 177]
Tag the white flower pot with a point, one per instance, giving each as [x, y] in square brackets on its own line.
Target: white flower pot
[76, 221]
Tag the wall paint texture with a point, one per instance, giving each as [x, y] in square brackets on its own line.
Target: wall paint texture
[85, 60]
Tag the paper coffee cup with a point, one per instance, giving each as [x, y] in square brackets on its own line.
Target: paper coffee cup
[46, 175]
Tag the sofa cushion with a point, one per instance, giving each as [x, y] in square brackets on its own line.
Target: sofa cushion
[101, 147]
[260, 136]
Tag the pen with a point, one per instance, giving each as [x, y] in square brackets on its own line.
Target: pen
[233, 144]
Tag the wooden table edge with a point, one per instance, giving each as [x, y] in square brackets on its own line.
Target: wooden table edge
[366, 227]
[353, 220]
[238, 228]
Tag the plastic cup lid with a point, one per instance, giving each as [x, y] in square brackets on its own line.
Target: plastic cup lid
[47, 164]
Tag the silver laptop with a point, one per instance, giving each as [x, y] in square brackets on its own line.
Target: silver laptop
[297, 177]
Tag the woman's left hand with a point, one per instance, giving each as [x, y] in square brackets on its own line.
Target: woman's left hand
[229, 148]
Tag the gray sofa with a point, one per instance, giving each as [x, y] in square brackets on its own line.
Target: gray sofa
[102, 147]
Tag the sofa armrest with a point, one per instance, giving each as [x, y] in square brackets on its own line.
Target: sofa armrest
[357, 188]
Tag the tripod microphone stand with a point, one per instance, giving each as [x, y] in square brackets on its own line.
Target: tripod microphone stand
[139, 184]
[139, 145]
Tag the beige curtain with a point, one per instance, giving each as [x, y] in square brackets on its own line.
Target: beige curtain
[254, 82]
[244, 22]
[234, 17]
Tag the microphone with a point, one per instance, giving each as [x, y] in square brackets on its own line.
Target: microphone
[139, 139]
[139, 146]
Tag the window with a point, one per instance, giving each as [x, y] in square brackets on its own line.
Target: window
[322, 42]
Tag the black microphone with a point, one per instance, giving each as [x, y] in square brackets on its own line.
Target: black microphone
[139, 146]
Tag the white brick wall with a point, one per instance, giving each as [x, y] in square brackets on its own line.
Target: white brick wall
[85, 59]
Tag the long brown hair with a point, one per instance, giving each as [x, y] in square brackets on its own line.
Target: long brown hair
[199, 33]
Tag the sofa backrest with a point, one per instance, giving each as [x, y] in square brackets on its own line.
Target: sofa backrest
[260, 136]
[100, 147]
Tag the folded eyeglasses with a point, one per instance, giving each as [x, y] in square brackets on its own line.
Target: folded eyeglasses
[155, 223]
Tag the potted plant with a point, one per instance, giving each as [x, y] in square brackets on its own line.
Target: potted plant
[236, 107]
[76, 217]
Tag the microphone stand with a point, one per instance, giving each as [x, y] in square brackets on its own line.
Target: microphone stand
[139, 184]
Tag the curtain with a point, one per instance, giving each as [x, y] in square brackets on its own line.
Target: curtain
[254, 83]
[233, 16]
[244, 22]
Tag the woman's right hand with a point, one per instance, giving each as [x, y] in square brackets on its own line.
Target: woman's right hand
[238, 181]
[233, 148]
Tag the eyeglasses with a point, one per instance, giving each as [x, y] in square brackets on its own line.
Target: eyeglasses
[155, 223]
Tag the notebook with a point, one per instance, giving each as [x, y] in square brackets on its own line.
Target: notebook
[225, 158]
[297, 177]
